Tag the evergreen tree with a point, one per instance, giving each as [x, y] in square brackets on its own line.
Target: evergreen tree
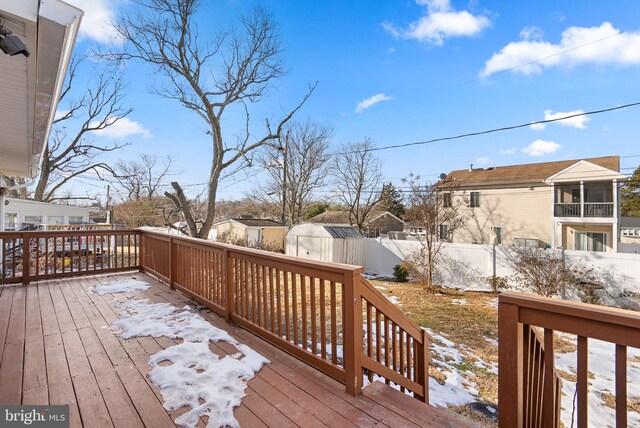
[391, 200]
[630, 196]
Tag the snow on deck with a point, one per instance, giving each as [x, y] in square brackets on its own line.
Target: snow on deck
[120, 287]
[190, 374]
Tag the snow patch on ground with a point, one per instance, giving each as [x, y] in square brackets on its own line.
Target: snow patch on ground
[491, 340]
[492, 303]
[190, 374]
[395, 300]
[601, 364]
[120, 287]
[460, 302]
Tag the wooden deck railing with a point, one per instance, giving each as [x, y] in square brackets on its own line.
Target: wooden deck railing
[528, 390]
[322, 313]
[38, 255]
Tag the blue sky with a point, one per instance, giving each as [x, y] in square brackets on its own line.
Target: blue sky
[405, 71]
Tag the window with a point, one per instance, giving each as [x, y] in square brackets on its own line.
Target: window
[631, 231]
[497, 234]
[590, 241]
[55, 220]
[575, 196]
[76, 219]
[446, 200]
[10, 221]
[474, 201]
[32, 219]
[443, 232]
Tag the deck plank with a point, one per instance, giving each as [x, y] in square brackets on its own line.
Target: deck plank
[11, 373]
[6, 298]
[34, 382]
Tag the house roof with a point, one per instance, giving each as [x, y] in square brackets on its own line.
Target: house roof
[258, 222]
[342, 232]
[524, 172]
[342, 217]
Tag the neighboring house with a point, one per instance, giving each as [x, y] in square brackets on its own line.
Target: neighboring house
[325, 242]
[573, 204]
[378, 222]
[414, 228]
[630, 234]
[19, 214]
[253, 230]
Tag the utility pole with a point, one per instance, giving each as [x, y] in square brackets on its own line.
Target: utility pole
[108, 207]
[284, 179]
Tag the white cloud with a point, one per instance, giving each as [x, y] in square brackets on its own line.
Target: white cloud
[508, 151]
[541, 147]
[603, 45]
[124, 127]
[531, 33]
[97, 20]
[60, 114]
[538, 126]
[573, 122]
[483, 160]
[371, 101]
[440, 21]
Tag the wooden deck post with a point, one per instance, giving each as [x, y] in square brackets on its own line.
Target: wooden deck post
[228, 285]
[510, 366]
[352, 333]
[423, 366]
[171, 269]
[140, 251]
[26, 258]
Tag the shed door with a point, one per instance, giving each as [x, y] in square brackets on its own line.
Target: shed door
[253, 236]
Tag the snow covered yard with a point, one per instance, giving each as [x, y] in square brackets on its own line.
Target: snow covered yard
[188, 374]
[464, 357]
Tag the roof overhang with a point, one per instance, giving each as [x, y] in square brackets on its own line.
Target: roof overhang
[596, 173]
[30, 87]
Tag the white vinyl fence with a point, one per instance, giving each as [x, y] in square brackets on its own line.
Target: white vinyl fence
[470, 266]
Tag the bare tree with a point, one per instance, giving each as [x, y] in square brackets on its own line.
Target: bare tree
[358, 180]
[144, 177]
[71, 151]
[439, 209]
[295, 169]
[234, 69]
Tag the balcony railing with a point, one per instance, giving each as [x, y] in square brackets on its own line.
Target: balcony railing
[529, 390]
[325, 314]
[591, 209]
[599, 209]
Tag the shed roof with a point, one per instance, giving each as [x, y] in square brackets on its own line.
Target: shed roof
[524, 172]
[342, 232]
[341, 217]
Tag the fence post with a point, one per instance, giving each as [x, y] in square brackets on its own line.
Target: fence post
[228, 285]
[171, 262]
[26, 257]
[423, 366]
[352, 333]
[141, 251]
[510, 366]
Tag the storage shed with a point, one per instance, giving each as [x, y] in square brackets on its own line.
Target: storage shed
[18, 214]
[325, 242]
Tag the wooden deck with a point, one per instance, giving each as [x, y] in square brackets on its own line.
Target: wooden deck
[56, 348]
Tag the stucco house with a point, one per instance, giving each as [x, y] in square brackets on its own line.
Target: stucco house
[573, 204]
[378, 222]
[253, 230]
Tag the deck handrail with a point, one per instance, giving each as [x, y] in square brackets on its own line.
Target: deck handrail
[519, 313]
[309, 308]
[404, 359]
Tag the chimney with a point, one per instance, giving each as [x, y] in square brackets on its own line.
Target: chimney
[470, 167]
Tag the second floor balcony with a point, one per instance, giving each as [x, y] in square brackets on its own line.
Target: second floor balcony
[590, 200]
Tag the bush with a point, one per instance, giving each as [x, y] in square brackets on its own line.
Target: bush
[497, 283]
[401, 273]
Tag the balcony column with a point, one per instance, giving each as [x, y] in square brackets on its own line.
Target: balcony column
[582, 199]
[553, 214]
[616, 216]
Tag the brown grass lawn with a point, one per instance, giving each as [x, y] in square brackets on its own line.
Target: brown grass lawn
[468, 324]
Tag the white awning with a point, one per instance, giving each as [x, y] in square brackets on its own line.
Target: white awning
[30, 87]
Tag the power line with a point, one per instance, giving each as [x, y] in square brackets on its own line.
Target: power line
[494, 130]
